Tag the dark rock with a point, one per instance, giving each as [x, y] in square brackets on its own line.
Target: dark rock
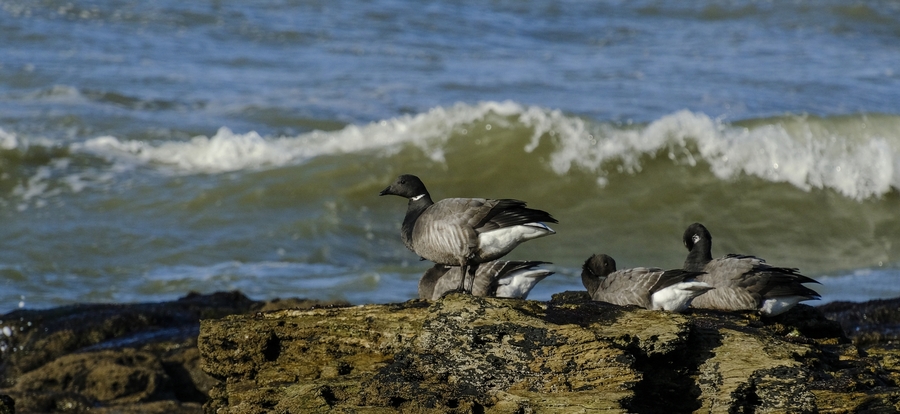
[7, 405]
[40, 336]
[876, 322]
[124, 358]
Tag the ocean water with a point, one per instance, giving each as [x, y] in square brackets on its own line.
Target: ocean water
[149, 149]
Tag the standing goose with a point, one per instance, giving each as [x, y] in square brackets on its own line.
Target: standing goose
[743, 282]
[498, 278]
[649, 287]
[464, 231]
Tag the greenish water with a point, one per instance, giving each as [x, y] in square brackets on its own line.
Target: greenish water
[151, 149]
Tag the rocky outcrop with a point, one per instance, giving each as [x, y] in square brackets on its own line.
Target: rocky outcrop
[470, 354]
[137, 358]
[7, 405]
[459, 354]
[872, 323]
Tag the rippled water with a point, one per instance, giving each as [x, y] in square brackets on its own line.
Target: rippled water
[152, 148]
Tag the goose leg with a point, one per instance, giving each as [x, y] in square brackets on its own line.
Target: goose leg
[462, 280]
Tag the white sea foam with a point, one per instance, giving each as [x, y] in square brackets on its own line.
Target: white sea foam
[793, 150]
[43, 184]
[229, 151]
[8, 140]
[858, 167]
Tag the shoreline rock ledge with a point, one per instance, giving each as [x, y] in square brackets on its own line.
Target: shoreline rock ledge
[483, 355]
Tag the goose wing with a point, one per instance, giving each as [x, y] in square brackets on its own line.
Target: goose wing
[508, 213]
[491, 274]
[629, 286]
[727, 298]
[443, 232]
[742, 282]
[729, 270]
[664, 279]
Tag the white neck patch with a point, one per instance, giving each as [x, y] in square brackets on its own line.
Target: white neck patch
[418, 197]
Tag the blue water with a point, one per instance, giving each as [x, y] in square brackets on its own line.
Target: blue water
[152, 148]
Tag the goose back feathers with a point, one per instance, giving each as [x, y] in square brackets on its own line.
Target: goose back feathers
[649, 287]
[743, 282]
[475, 228]
[464, 231]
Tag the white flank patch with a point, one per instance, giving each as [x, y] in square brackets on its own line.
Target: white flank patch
[496, 243]
[777, 306]
[677, 298]
[518, 284]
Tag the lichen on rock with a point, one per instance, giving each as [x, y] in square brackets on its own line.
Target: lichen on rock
[470, 354]
[457, 354]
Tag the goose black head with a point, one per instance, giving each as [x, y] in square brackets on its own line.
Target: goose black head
[595, 268]
[698, 241]
[599, 265]
[694, 234]
[407, 186]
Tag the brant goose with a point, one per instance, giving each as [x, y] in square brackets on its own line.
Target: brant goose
[649, 287]
[499, 278]
[743, 282]
[464, 231]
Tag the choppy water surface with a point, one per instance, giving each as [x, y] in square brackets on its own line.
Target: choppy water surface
[152, 148]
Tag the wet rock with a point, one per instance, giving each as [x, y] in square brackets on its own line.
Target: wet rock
[103, 376]
[468, 354]
[459, 354]
[876, 322]
[140, 358]
[7, 405]
[40, 336]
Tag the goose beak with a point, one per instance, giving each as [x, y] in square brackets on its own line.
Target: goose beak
[386, 191]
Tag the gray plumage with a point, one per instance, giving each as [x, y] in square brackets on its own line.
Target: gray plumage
[464, 231]
[648, 287]
[498, 278]
[743, 282]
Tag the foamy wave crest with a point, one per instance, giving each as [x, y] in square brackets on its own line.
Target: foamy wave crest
[837, 153]
[229, 151]
[798, 151]
[8, 140]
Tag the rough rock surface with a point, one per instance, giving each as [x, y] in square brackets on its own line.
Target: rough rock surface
[460, 354]
[7, 405]
[876, 322]
[469, 354]
[139, 358]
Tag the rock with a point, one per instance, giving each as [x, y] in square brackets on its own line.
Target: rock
[7, 405]
[140, 358]
[40, 336]
[876, 322]
[103, 376]
[469, 354]
[459, 354]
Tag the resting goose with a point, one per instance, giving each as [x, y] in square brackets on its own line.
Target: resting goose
[464, 231]
[743, 282]
[649, 287]
[499, 278]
